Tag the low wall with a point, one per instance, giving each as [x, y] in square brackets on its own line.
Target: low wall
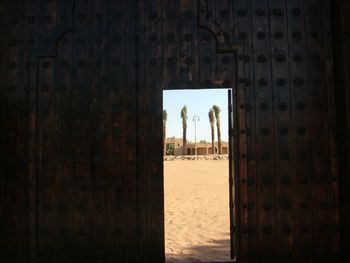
[198, 157]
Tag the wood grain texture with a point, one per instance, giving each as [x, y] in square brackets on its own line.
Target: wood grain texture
[149, 131]
[340, 31]
[81, 128]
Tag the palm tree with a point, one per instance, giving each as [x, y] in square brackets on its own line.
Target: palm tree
[184, 128]
[212, 126]
[165, 118]
[217, 117]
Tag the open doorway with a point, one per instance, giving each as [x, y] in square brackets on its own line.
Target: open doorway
[198, 175]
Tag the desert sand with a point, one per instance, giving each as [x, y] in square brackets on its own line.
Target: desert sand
[196, 210]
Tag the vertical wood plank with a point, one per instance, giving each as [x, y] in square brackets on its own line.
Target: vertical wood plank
[225, 63]
[100, 129]
[130, 223]
[189, 72]
[171, 42]
[328, 33]
[207, 57]
[29, 200]
[123, 127]
[246, 226]
[264, 145]
[3, 98]
[149, 133]
[319, 151]
[300, 132]
[282, 130]
[9, 176]
[31, 42]
[73, 126]
[45, 147]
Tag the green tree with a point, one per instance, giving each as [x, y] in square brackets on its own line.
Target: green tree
[184, 128]
[170, 149]
[217, 111]
[212, 127]
[165, 118]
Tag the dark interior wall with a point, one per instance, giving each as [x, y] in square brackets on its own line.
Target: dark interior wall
[81, 128]
[341, 43]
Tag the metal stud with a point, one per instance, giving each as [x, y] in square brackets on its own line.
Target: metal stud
[304, 205]
[304, 180]
[242, 13]
[277, 12]
[225, 60]
[285, 156]
[189, 61]
[267, 229]
[297, 35]
[284, 131]
[283, 106]
[265, 156]
[153, 38]
[298, 82]
[261, 35]
[261, 59]
[30, 19]
[99, 16]
[265, 131]
[297, 58]
[287, 229]
[315, 35]
[188, 14]
[259, 12]
[82, 18]
[278, 35]
[287, 205]
[207, 60]
[242, 36]
[224, 13]
[304, 228]
[188, 37]
[296, 11]
[170, 14]
[268, 206]
[286, 179]
[281, 82]
[264, 106]
[301, 130]
[267, 180]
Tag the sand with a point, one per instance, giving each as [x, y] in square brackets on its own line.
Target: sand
[196, 210]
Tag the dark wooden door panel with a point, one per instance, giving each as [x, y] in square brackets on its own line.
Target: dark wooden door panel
[81, 129]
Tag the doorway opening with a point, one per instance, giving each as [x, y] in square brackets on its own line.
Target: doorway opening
[198, 175]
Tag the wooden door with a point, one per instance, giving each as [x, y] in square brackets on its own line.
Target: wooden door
[233, 168]
[81, 130]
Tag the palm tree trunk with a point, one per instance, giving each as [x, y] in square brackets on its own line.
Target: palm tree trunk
[164, 139]
[184, 141]
[212, 140]
[219, 139]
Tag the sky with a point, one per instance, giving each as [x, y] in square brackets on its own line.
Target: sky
[198, 103]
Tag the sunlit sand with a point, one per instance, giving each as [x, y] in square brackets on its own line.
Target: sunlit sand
[196, 210]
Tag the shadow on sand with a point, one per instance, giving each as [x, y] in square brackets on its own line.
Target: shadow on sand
[217, 251]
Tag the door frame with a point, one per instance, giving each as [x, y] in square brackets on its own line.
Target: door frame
[233, 164]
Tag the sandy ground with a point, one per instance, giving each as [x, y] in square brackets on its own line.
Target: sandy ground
[196, 210]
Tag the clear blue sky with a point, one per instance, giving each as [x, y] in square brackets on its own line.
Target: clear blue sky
[198, 103]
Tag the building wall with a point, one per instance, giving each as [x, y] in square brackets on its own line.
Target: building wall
[202, 148]
[81, 124]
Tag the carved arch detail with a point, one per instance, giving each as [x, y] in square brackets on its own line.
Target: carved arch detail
[224, 43]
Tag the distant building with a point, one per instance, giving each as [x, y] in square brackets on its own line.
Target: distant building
[174, 146]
